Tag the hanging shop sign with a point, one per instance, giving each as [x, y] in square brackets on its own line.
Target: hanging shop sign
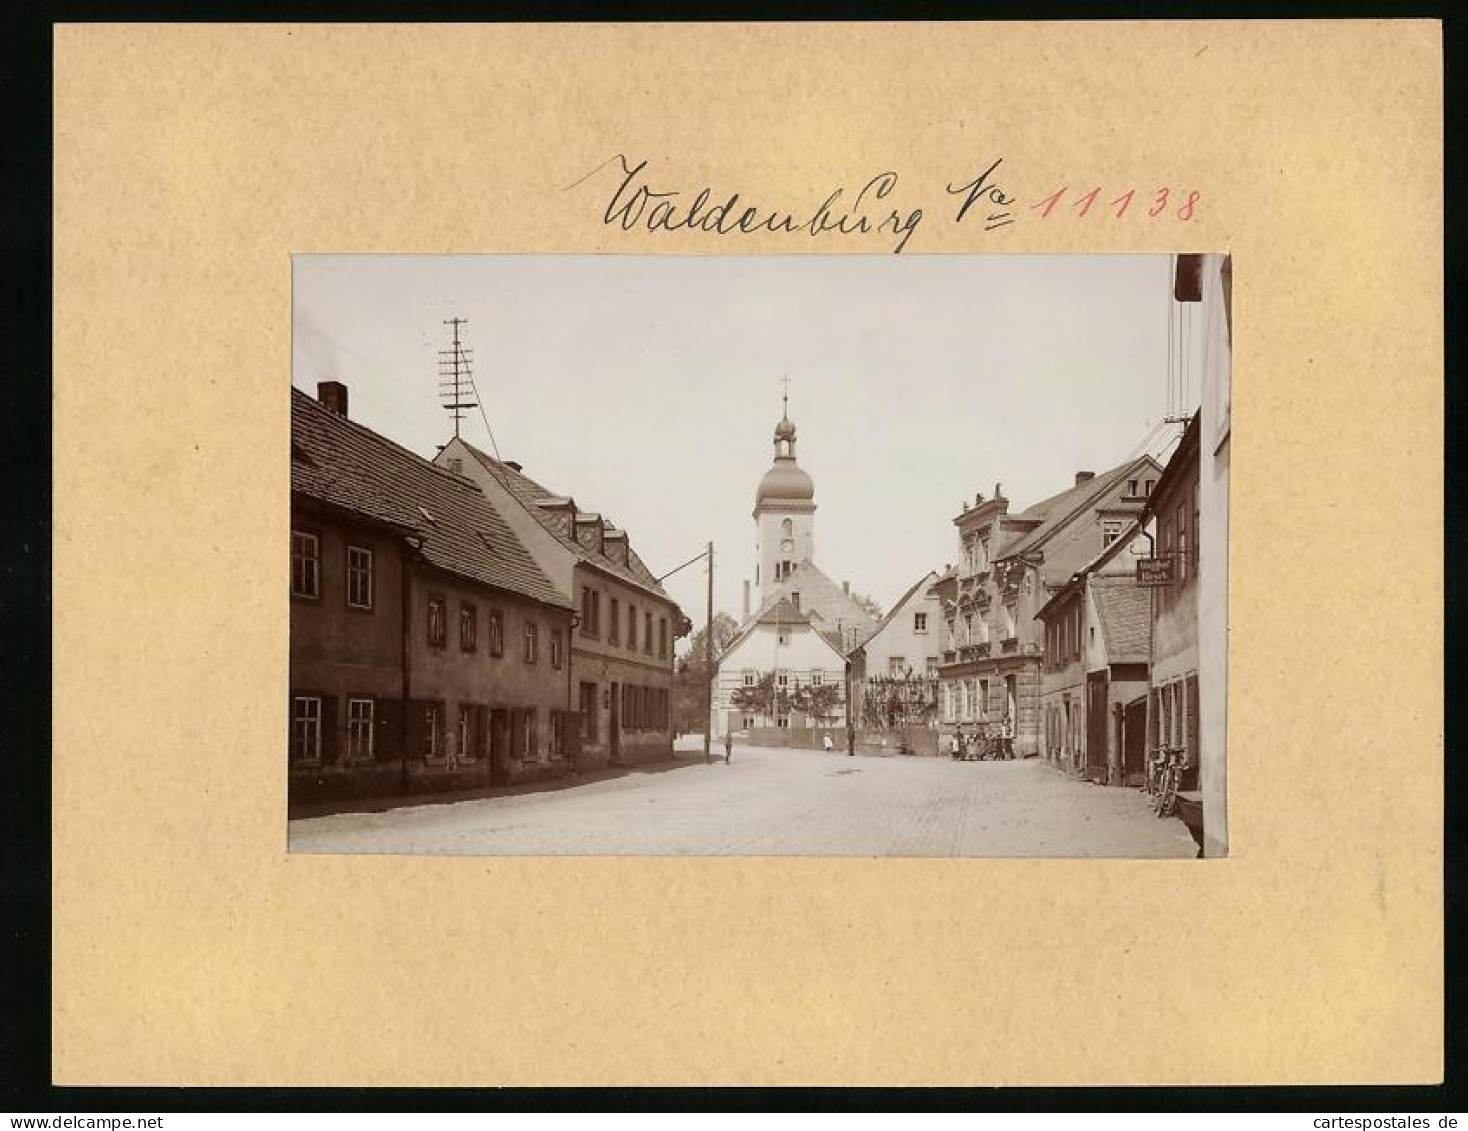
[1154, 571]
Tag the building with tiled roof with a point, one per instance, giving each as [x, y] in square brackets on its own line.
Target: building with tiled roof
[1009, 565]
[1095, 666]
[428, 650]
[626, 624]
[894, 671]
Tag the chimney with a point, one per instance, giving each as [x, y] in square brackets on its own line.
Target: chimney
[746, 598]
[333, 396]
[513, 466]
[1084, 477]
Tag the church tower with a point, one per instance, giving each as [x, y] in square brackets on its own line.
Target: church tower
[784, 511]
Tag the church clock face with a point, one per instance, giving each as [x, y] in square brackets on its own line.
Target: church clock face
[787, 545]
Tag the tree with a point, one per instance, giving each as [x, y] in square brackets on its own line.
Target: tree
[817, 701]
[691, 676]
[759, 698]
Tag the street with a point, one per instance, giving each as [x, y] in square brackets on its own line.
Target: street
[771, 802]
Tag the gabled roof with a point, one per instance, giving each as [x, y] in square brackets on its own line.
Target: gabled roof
[828, 602]
[1054, 512]
[549, 509]
[342, 464]
[1125, 614]
[927, 581]
[1107, 553]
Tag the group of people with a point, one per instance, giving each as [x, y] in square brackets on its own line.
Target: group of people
[986, 742]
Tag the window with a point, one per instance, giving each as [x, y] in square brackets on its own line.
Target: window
[782, 637]
[432, 729]
[359, 730]
[468, 627]
[306, 729]
[1182, 543]
[782, 722]
[662, 638]
[496, 633]
[588, 712]
[1011, 622]
[963, 699]
[748, 721]
[557, 737]
[647, 633]
[896, 665]
[817, 678]
[795, 600]
[1147, 487]
[530, 746]
[1110, 532]
[437, 630]
[749, 678]
[557, 645]
[983, 704]
[359, 577]
[614, 624]
[632, 627]
[968, 628]
[1131, 488]
[590, 611]
[787, 528]
[782, 679]
[920, 622]
[305, 565]
[532, 642]
[932, 672]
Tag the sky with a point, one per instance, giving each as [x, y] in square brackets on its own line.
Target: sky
[648, 387]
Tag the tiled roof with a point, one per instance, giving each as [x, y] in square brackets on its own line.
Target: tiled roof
[558, 523]
[1125, 613]
[338, 462]
[782, 612]
[1055, 511]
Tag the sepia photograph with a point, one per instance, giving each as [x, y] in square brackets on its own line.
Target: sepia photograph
[919, 556]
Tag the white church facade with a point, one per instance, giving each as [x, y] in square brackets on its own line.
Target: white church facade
[787, 665]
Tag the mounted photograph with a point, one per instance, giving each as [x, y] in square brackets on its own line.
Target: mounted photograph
[809, 555]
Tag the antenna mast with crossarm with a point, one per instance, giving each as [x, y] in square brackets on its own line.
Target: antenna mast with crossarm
[455, 380]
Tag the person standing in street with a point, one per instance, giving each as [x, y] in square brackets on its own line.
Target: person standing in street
[728, 745]
[826, 743]
[1007, 738]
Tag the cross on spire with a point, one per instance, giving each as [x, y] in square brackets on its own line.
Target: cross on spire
[785, 395]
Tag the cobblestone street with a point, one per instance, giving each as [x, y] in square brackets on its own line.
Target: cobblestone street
[771, 802]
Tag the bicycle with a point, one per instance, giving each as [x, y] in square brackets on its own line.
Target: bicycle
[1164, 801]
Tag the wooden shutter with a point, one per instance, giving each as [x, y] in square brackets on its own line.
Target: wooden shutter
[517, 732]
[481, 732]
[415, 729]
[330, 730]
[387, 743]
[1192, 731]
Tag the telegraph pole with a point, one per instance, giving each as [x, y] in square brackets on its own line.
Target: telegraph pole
[455, 381]
[708, 663]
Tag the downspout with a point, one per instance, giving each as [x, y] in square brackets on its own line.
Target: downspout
[415, 547]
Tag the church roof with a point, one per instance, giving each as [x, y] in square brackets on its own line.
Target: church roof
[786, 481]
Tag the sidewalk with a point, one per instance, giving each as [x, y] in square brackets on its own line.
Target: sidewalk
[382, 803]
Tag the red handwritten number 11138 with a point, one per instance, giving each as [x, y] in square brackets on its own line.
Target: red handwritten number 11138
[1163, 200]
